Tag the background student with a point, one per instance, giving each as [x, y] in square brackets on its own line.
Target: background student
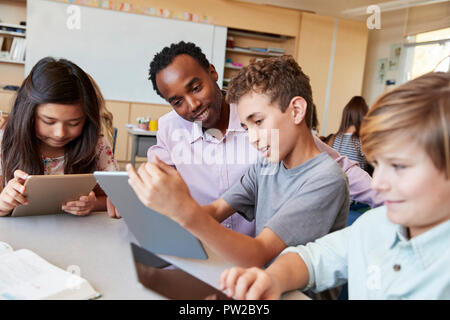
[398, 251]
[347, 141]
[294, 193]
[54, 128]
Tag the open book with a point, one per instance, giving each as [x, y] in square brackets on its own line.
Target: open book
[26, 276]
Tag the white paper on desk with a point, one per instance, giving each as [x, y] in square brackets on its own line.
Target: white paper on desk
[5, 248]
[25, 275]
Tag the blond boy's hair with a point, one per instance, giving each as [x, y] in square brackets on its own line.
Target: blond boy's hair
[418, 111]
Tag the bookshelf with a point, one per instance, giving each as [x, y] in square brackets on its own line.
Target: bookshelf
[244, 46]
[12, 43]
[254, 53]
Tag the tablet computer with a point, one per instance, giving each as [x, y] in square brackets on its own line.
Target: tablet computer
[154, 231]
[160, 276]
[47, 193]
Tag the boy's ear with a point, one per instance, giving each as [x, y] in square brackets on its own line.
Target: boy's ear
[299, 108]
[213, 72]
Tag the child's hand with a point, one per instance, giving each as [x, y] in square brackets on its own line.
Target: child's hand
[112, 211]
[12, 195]
[250, 284]
[82, 206]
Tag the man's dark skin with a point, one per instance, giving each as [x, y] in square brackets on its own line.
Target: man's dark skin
[191, 90]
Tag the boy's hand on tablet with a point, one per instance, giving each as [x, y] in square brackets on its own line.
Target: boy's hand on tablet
[250, 284]
[160, 187]
[112, 211]
[82, 206]
[12, 195]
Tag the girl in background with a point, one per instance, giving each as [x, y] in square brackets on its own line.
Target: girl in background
[347, 140]
[54, 128]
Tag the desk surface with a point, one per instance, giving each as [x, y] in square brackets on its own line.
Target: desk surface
[100, 247]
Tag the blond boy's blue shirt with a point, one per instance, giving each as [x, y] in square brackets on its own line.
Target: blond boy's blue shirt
[379, 261]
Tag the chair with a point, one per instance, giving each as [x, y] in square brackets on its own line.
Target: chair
[114, 139]
[356, 210]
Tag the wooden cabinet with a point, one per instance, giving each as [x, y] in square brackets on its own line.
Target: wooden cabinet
[121, 112]
[6, 100]
[12, 43]
[244, 46]
[12, 51]
[14, 13]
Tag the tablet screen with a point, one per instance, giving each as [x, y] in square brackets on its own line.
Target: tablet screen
[160, 276]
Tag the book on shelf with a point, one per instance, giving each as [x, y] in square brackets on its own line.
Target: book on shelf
[12, 49]
[24, 275]
[236, 48]
[17, 50]
[5, 27]
[257, 49]
[275, 50]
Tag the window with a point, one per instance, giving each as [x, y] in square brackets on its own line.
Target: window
[426, 52]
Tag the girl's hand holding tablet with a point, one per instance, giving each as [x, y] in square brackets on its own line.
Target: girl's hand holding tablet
[12, 194]
[82, 206]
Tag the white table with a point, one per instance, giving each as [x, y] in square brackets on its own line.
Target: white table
[100, 247]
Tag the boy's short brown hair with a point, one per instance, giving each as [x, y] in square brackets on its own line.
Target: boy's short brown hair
[418, 112]
[280, 78]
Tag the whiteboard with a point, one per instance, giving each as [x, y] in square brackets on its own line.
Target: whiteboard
[114, 47]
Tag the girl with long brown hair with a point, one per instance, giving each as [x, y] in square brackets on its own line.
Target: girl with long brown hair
[347, 141]
[54, 128]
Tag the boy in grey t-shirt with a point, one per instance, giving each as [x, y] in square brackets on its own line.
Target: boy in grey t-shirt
[298, 204]
[307, 198]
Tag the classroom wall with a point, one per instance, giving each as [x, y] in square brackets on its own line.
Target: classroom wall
[348, 70]
[314, 54]
[234, 14]
[395, 26]
[392, 31]
[331, 52]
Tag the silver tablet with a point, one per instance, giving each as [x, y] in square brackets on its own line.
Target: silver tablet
[47, 193]
[154, 231]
